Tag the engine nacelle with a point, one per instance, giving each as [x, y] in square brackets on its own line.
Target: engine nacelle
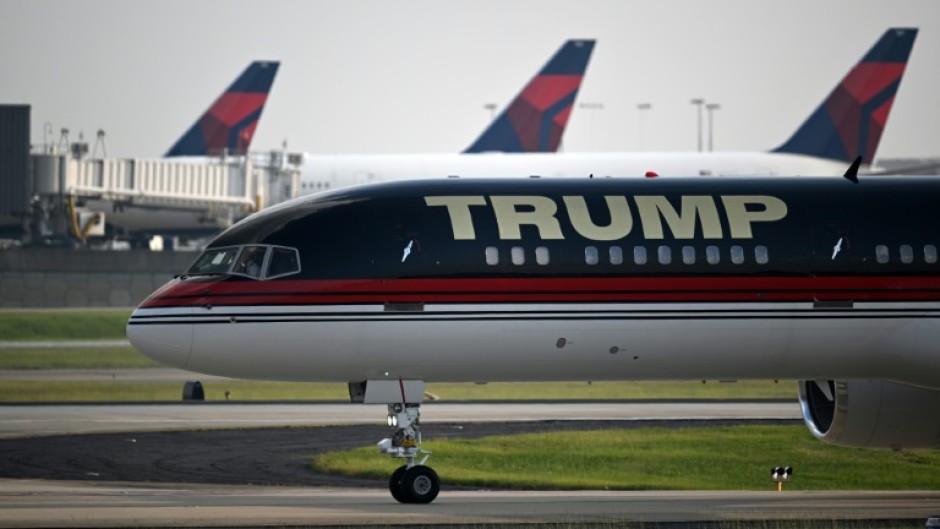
[871, 413]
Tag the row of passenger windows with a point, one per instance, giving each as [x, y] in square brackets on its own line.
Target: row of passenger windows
[640, 255]
[688, 255]
[906, 253]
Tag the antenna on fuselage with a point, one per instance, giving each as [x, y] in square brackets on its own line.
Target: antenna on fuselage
[852, 173]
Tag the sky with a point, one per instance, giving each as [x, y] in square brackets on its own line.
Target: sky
[387, 76]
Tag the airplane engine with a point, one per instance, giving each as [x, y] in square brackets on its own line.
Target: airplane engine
[871, 413]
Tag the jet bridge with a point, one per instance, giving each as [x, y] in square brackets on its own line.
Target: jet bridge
[139, 198]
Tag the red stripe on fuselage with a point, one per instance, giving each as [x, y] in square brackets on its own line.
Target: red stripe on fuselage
[205, 291]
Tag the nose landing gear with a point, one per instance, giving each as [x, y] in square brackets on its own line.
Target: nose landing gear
[412, 482]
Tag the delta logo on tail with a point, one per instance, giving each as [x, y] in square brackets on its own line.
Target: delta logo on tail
[850, 121]
[229, 124]
[536, 118]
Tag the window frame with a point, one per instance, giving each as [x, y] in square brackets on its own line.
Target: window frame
[239, 249]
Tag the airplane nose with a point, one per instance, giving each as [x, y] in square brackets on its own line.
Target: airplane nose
[163, 335]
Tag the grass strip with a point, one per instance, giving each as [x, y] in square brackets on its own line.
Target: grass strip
[118, 391]
[88, 324]
[713, 458]
[74, 358]
[675, 389]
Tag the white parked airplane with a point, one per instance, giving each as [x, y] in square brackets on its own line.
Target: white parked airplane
[848, 124]
[533, 122]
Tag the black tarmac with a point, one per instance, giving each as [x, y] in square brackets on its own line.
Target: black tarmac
[274, 456]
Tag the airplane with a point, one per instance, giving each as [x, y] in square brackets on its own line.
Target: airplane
[535, 120]
[847, 124]
[831, 282]
[228, 125]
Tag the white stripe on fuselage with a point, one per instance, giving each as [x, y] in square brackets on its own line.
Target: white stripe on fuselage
[569, 341]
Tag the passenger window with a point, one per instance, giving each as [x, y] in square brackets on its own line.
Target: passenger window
[250, 261]
[761, 255]
[518, 255]
[737, 254]
[688, 255]
[639, 255]
[541, 255]
[616, 255]
[712, 254]
[284, 261]
[665, 255]
[907, 254]
[590, 255]
[930, 253]
[881, 254]
[492, 255]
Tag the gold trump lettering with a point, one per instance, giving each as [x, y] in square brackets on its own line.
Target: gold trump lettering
[621, 221]
[513, 212]
[656, 209]
[656, 214]
[459, 210]
[740, 217]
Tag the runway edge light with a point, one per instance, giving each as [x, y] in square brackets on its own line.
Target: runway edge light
[780, 475]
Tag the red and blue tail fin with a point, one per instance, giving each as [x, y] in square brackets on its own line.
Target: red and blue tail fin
[229, 124]
[536, 118]
[850, 121]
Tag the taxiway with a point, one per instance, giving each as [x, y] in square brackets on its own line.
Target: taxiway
[65, 504]
[92, 503]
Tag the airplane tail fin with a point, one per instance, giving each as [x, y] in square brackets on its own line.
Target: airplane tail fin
[850, 121]
[536, 118]
[228, 125]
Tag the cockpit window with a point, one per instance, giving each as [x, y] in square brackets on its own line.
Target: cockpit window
[250, 261]
[257, 261]
[214, 261]
[284, 261]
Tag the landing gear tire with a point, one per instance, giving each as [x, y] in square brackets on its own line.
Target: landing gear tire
[394, 484]
[419, 484]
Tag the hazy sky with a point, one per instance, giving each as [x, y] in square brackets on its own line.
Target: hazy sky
[392, 76]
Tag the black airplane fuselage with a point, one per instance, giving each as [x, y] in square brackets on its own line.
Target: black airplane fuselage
[583, 279]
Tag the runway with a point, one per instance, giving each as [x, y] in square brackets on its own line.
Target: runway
[106, 497]
[31, 420]
[63, 504]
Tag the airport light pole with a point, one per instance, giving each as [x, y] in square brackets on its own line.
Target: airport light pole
[711, 107]
[46, 134]
[592, 106]
[699, 102]
[492, 108]
[641, 107]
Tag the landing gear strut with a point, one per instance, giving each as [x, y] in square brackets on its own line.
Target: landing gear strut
[412, 482]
